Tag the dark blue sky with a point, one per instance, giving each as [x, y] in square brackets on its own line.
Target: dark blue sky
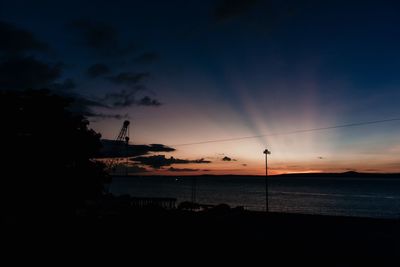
[196, 70]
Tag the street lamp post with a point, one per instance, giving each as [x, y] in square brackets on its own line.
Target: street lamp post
[266, 152]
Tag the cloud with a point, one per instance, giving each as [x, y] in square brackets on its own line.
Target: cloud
[158, 161]
[128, 78]
[127, 96]
[84, 106]
[147, 101]
[21, 71]
[161, 148]
[108, 116]
[130, 168]
[97, 70]
[114, 149]
[66, 85]
[16, 41]
[147, 57]
[102, 37]
[231, 9]
[226, 158]
[122, 98]
[86, 102]
[28, 73]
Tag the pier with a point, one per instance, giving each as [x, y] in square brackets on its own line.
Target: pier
[141, 202]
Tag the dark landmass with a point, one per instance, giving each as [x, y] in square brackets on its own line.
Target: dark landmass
[112, 225]
[349, 174]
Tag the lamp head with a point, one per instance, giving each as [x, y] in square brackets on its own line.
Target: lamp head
[267, 152]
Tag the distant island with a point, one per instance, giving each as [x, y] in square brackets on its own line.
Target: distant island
[348, 174]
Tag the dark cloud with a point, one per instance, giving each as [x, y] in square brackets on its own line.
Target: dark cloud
[158, 161]
[147, 101]
[15, 40]
[28, 73]
[97, 70]
[66, 85]
[226, 158]
[21, 71]
[132, 81]
[244, 165]
[127, 98]
[85, 107]
[230, 9]
[172, 169]
[114, 149]
[122, 98]
[102, 38]
[112, 101]
[160, 148]
[130, 168]
[320, 157]
[81, 101]
[148, 57]
[108, 116]
[128, 78]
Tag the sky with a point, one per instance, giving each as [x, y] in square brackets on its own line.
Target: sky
[184, 72]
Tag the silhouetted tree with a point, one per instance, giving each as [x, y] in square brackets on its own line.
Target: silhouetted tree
[46, 152]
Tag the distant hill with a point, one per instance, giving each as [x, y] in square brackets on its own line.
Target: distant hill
[349, 174]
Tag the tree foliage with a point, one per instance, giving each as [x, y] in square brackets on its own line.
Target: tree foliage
[47, 152]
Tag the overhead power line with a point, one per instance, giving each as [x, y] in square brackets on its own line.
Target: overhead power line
[289, 133]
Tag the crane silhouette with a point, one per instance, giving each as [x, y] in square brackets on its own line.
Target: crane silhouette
[122, 141]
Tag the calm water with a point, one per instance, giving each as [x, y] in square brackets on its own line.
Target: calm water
[331, 196]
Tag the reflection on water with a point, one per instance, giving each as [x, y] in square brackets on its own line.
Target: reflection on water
[330, 196]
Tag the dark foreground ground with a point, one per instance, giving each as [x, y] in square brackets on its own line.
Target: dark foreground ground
[228, 234]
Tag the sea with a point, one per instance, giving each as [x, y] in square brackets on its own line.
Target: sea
[376, 197]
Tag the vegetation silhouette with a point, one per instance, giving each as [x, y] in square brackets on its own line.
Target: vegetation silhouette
[47, 152]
